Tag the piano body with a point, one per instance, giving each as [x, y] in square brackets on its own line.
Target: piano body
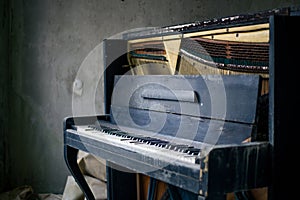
[191, 106]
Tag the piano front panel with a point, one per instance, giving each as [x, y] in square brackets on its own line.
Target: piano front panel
[220, 97]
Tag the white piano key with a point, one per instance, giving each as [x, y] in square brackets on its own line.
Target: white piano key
[158, 152]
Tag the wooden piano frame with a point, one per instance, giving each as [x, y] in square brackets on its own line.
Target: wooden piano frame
[225, 173]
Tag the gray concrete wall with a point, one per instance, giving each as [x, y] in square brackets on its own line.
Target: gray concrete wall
[49, 41]
[3, 90]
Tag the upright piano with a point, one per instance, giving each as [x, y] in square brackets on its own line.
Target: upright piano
[192, 106]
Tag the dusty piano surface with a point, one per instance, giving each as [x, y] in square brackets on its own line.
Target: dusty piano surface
[194, 111]
[187, 131]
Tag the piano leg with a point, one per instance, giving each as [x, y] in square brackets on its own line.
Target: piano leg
[70, 154]
[121, 183]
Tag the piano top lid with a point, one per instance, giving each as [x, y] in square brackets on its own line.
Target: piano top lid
[229, 21]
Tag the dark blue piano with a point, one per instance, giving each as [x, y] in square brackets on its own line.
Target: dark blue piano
[203, 135]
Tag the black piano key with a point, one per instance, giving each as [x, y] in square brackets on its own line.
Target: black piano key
[161, 144]
[125, 139]
[171, 146]
[194, 151]
[185, 149]
[154, 142]
[144, 139]
[180, 147]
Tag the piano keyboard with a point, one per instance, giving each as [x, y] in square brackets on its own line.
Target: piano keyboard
[157, 148]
